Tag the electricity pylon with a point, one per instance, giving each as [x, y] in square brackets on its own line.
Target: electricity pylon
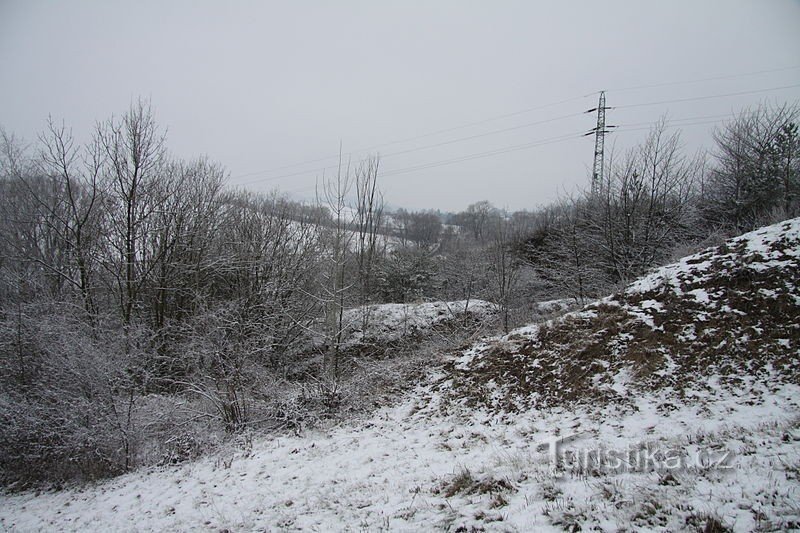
[599, 132]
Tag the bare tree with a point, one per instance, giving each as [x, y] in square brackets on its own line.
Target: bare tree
[135, 160]
[645, 206]
[332, 194]
[185, 222]
[369, 223]
[267, 253]
[464, 273]
[562, 250]
[504, 266]
[76, 207]
[408, 274]
[477, 217]
[425, 229]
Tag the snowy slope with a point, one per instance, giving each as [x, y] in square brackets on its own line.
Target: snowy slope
[709, 321]
[391, 322]
[411, 468]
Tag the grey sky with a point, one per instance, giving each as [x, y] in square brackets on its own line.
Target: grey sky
[262, 85]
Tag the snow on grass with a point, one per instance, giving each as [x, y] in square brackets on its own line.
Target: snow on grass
[763, 245]
[724, 311]
[552, 307]
[424, 465]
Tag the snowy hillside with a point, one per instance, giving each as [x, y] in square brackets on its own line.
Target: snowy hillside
[714, 319]
[390, 322]
[672, 406]
[413, 469]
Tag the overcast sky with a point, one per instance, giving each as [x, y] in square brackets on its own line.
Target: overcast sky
[260, 86]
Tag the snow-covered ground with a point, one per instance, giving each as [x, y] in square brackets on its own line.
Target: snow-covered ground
[731, 311]
[390, 322]
[766, 248]
[412, 467]
[554, 307]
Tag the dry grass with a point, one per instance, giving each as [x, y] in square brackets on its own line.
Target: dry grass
[750, 326]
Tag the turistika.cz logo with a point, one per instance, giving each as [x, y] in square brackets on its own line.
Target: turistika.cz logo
[565, 458]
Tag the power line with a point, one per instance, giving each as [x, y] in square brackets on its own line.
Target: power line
[671, 121]
[417, 137]
[480, 155]
[479, 122]
[469, 157]
[625, 127]
[687, 122]
[647, 126]
[425, 147]
[493, 132]
[522, 111]
[670, 125]
[709, 97]
[701, 120]
[528, 145]
[257, 172]
[701, 80]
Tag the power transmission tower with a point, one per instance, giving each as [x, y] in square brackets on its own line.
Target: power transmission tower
[599, 133]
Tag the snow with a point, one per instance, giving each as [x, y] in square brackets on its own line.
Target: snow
[391, 471]
[554, 306]
[759, 243]
[391, 322]
[700, 295]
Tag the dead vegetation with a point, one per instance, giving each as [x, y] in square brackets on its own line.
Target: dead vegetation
[464, 482]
